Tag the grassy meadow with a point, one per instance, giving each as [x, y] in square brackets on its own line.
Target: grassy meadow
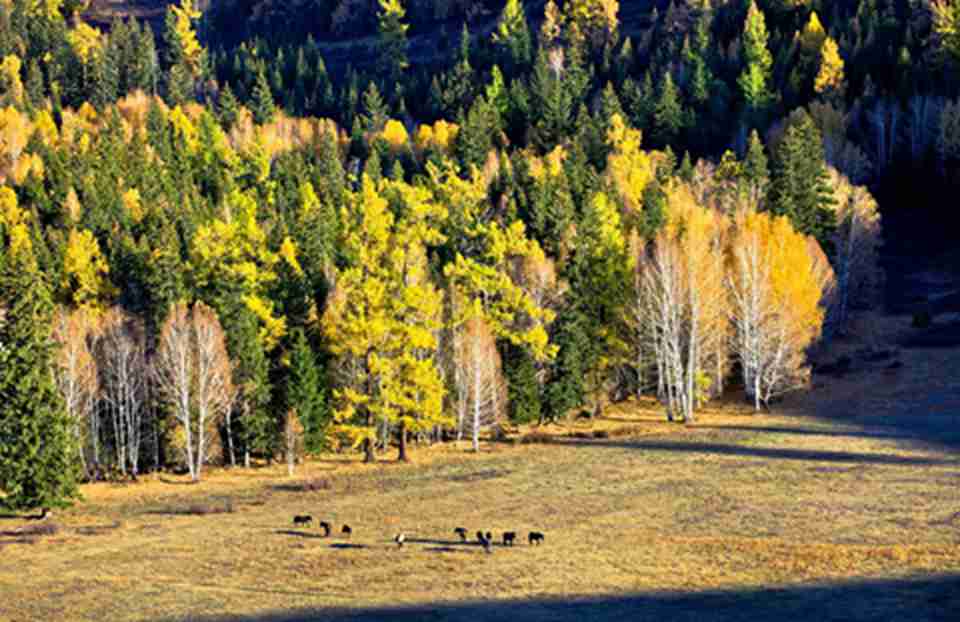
[822, 510]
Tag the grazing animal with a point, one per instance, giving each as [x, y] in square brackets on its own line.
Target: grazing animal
[302, 519]
[326, 528]
[480, 537]
[509, 537]
[489, 537]
[462, 532]
[346, 531]
[535, 537]
[486, 541]
[400, 538]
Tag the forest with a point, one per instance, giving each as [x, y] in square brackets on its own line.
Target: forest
[273, 229]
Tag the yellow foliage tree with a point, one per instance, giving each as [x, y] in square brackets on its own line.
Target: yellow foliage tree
[384, 315]
[86, 275]
[395, 135]
[628, 166]
[829, 79]
[775, 293]
[86, 41]
[10, 83]
[231, 260]
[813, 35]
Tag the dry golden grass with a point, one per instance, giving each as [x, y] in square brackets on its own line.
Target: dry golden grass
[736, 502]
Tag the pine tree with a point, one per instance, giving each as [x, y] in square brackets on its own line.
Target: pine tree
[754, 81]
[513, 33]
[259, 430]
[756, 172]
[228, 108]
[565, 389]
[37, 452]
[799, 187]
[393, 39]
[306, 393]
[523, 389]
[262, 106]
[668, 113]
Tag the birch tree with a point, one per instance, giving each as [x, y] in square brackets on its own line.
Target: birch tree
[193, 374]
[775, 295]
[123, 371]
[480, 378]
[856, 242]
[76, 374]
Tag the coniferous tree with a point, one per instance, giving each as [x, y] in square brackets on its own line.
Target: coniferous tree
[523, 389]
[262, 106]
[37, 447]
[228, 108]
[667, 113]
[393, 39]
[799, 186]
[306, 393]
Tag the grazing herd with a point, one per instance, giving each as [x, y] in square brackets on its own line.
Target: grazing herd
[534, 538]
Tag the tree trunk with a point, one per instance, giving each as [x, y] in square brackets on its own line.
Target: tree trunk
[402, 457]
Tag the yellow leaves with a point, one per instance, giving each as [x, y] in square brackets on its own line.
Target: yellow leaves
[26, 165]
[628, 166]
[439, 136]
[184, 128]
[190, 47]
[830, 76]
[46, 128]
[10, 78]
[309, 203]
[610, 235]
[13, 220]
[551, 166]
[15, 131]
[86, 273]
[288, 252]
[86, 41]
[395, 135]
[394, 8]
[813, 35]
[133, 205]
[793, 287]
[233, 253]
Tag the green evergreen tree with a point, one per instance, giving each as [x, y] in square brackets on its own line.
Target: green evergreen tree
[565, 389]
[262, 105]
[523, 389]
[800, 186]
[38, 456]
[393, 40]
[306, 393]
[228, 108]
[259, 430]
[667, 113]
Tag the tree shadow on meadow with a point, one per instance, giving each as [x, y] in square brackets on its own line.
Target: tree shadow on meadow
[920, 599]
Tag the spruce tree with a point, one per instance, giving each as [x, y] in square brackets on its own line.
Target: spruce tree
[262, 106]
[667, 113]
[565, 388]
[228, 108]
[800, 186]
[37, 445]
[306, 393]
[523, 390]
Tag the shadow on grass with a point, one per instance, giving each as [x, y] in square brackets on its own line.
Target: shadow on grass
[801, 431]
[346, 546]
[775, 453]
[300, 534]
[926, 599]
[444, 543]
